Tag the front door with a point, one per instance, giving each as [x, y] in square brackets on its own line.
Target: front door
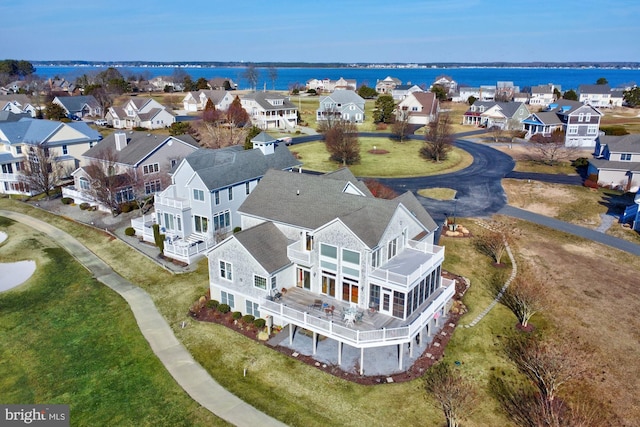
[304, 278]
[386, 301]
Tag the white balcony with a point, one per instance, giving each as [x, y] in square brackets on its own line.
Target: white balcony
[182, 204]
[298, 254]
[409, 266]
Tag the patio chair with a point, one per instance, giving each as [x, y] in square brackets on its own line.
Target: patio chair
[329, 310]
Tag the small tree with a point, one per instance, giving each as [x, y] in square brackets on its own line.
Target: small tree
[453, 394]
[471, 100]
[107, 186]
[492, 242]
[602, 81]
[252, 132]
[525, 296]
[210, 114]
[440, 92]
[252, 75]
[400, 129]
[367, 92]
[571, 95]
[54, 111]
[550, 149]
[632, 96]
[438, 139]
[273, 76]
[40, 171]
[342, 142]
[236, 114]
[383, 109]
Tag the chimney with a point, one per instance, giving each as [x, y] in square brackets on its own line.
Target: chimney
[121, 141]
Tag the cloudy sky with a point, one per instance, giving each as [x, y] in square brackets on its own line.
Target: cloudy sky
[375, 31]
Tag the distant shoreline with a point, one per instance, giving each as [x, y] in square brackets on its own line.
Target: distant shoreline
[206, 64]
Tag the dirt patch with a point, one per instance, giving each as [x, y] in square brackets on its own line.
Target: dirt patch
[433, 353]
[378, 151]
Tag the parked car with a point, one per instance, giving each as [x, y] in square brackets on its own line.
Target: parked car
[101, 122]
[74, 117]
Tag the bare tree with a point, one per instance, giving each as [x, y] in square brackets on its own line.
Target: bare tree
[550, 149]
[400, 127]
[107, 186]
[493, 242]
[252, 75]
[219, 135]
[273, 76]
[438, 139]
[549, 365]
[40, 171]
[342, 142]
[453, 394]
[497, 133]
[525, 296]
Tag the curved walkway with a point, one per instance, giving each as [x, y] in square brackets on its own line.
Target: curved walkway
[188, 373]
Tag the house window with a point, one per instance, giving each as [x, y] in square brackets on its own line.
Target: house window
[329, 283]
[274, 282]
[308, 241]
[201, 224]
[581, 117]
[227, 298]
[252, 308]
[84, 184]
[592, 130]
[246, 188]
[222, 220]
[230, 193]
[168, 221]
[152, 168]
[350, 290]
[392, 248]
[19, 149]
[198, 194]
[328, 257]
[260, 282]
[65, 150]
[225, 270]
[587, 117]
[572, 130]
[174, 162]
[216, 197]
[376, 256]
[625, 157]
[350, 262]
[152, 187]
[398, 304]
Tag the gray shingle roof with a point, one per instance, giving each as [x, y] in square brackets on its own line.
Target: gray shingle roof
[266, 244]
[311, 201]
[28, 130]
[594, 89]
[75, 103]
[262, 99]
[622, 144]
[139, 146]
[231, 165]
[344, 96]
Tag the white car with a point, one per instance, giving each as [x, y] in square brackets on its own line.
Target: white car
[101, 122]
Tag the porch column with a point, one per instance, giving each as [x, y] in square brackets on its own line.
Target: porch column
[419, 337]
[411, 345]
[361, 360]
[400, 351]
[339, 353]
[315, 342]
[291, 333]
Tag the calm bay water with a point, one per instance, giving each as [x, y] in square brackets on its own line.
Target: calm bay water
[567, 78]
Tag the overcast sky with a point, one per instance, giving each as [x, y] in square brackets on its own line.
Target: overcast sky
[375, 31]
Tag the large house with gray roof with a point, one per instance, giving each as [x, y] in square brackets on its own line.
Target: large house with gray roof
[65, 142]
[140, 112]
[505, 115]
[199, 207]
[270, 110]
[197, 101]
[580, 123]
[616, 162]
[80, 106]
[143, 161]
[341, 104]
[320, 253]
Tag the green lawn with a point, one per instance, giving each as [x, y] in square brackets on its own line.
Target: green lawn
[65, 338]
[403, 159]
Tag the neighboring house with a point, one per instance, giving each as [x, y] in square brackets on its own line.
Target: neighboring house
[61, 85]
[222, 83]
[505, 91]
[341, 104]
[505, 115]
[140, 112]
[450, 85]
[421, 107]
[521, 97]
[580, 123]
[200, 206]
[196, 101]
[8, 116]
[542, 95]
[617, 162]
[387, 85]
[17, 104]
[598, 96]
[617, 98]
[140, 157]
[328, 85]
[314, 247]
[270, 110]
[64, 141]
[79, 106]
[400, 92]
[482, 93]
[161, 82]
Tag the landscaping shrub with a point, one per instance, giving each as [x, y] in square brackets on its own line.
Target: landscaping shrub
[126, 207]
[236, 315]
[67, 200]
[259, 323]
[248, 319]
[212, 303]
[236, 229]
[224, 308]
[591, 184]
[580, 162]
[381, 126]
[129, 231]
[615, 130]
[84, 206]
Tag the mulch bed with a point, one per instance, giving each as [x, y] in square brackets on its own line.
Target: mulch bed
[378, 151]
[415, 371]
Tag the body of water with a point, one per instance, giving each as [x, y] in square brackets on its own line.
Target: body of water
[566, 78]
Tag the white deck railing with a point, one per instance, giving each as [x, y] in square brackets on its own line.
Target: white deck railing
[186, 251]
[172, 203]
[295, 254]
[406, 280]
[361, 338]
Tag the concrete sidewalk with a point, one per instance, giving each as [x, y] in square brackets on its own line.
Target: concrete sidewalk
[188, 373]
